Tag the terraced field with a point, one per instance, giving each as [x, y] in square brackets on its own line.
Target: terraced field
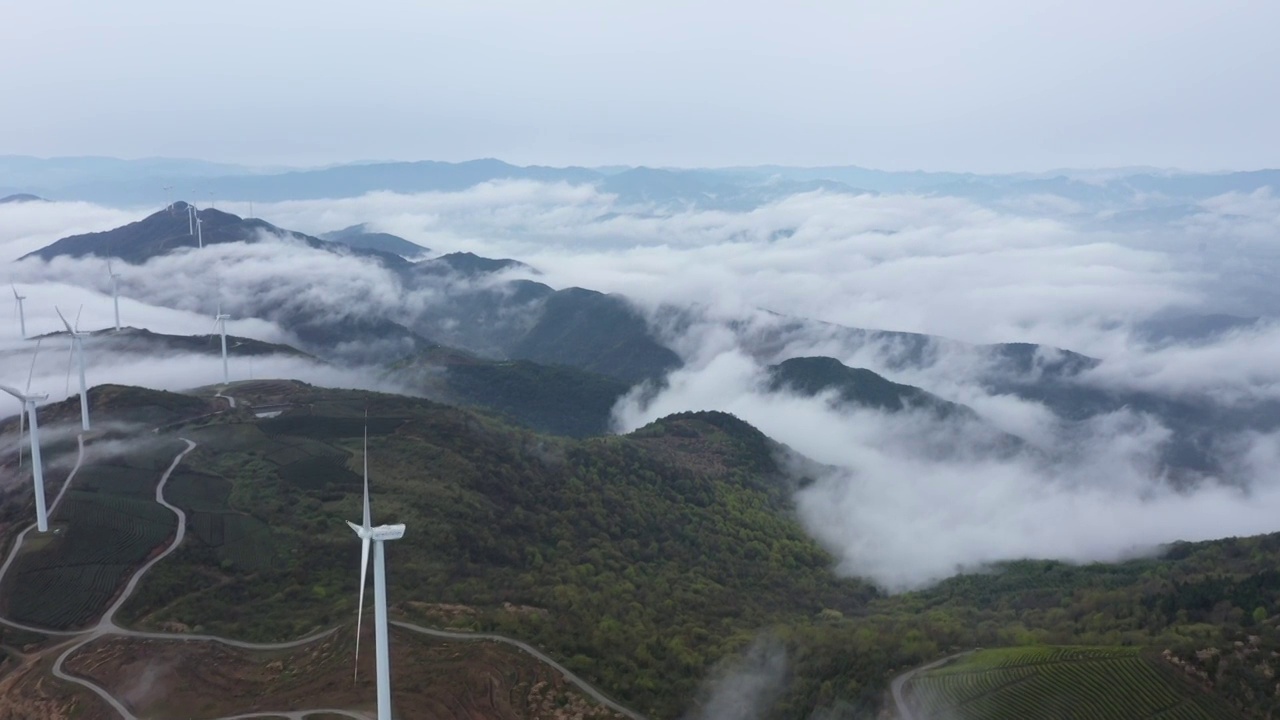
[106, 526]
[1059, 683]
[71, 580]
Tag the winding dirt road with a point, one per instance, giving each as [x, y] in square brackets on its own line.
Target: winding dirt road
[106, 625]
[903, 710]
[583, 685]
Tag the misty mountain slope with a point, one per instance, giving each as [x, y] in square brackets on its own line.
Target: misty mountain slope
[169, 229]
[477, 315]
[810, 376]
[595, 332]
[141, 341]
[1192, 329]
[959, 431]
[900, 350]
[554, 399]
[605, 541]
[1204, 431]
[360, 237]
[354, 338]
[467, 265]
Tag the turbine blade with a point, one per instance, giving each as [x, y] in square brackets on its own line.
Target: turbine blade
[15, 291]
[367, 520]
[364, 569]
[31, 373]
[63, 318]
[13, 391]
[77, 325]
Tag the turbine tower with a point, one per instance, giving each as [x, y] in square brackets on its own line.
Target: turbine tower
[115, 292]
[29, 401]
[199, 232]
[377, 536]
[22, 313]
[220, 324]
[77, 347]
[191, 219]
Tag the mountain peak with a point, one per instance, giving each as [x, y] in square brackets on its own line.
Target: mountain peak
[172, 227]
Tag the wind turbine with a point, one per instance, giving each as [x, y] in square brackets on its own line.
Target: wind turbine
[77, 347]
[115, 292]
[22, 314]
[375, 535]
[37, 467]
[200, 231]
[220, 324]
[191, 219]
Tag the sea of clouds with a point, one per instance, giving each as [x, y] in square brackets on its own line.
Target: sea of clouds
[714, 282]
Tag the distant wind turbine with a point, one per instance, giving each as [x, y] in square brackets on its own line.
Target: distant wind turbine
[220, 324]
[22, 314]
[115, 292]
[375, 535]
[77, 348]
[29, 401]
[199, 231]
[191, 219]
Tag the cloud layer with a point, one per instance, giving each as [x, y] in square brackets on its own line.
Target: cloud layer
[1054, 272]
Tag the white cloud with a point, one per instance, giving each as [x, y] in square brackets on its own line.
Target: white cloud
[895, 509]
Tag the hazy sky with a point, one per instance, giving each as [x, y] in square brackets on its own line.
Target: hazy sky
[973, 85]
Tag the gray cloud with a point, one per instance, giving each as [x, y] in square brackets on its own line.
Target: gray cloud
[744, 687]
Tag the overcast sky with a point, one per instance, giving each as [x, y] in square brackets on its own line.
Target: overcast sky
[983, 85]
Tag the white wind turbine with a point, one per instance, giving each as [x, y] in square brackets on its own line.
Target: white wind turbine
[77, 347]
[220, 324]
[115, 292]
[29, 401]
[191, 219]
[375, 535]
[22, 313]
[200, 232]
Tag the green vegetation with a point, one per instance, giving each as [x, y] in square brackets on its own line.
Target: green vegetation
[1059, 682]
[641, 562]
[555, 399]
[71, 581]
[599, 547]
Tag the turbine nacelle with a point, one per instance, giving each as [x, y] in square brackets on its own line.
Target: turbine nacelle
[26, 397]
[380, 533]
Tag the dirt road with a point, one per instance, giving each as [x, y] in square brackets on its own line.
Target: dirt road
[903, 711]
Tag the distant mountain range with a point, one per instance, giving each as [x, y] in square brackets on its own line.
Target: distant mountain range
[20, 198]
[558, 360]
[133, 182]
